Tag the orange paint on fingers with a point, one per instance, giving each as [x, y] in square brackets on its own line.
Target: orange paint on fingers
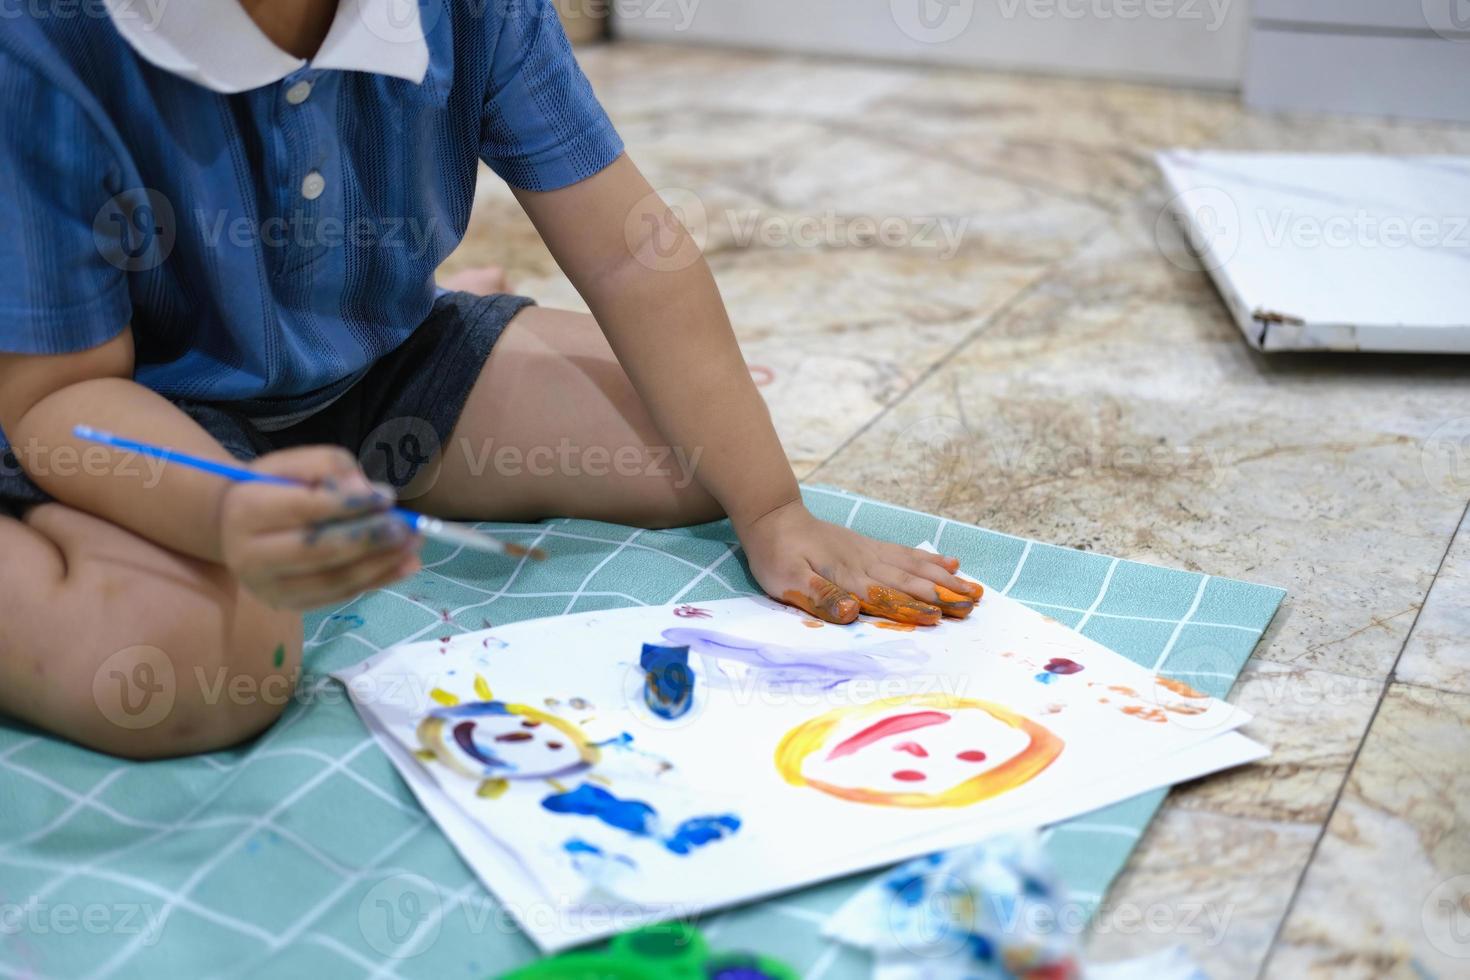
[952, 603]
[895, 605]
[826, 601]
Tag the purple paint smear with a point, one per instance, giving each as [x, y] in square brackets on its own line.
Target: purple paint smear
[776, 663]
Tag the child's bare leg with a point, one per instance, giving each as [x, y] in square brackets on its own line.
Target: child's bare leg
[131, 649]
[553, 427]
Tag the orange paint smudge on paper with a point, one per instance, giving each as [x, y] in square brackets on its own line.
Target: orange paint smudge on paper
[899, 627]
[1178, 687]
[1186, 709]
[814, 624]
[1146, 714]
[1130, 692]
[893, 604]
[826, 601]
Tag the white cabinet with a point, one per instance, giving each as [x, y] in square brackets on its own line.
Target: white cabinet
[1198, 42]
[1383, 57]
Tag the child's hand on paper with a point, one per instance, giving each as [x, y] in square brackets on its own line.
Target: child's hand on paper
[834, 573]
[303, 547]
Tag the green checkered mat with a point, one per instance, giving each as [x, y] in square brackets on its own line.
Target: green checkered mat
[304, 854]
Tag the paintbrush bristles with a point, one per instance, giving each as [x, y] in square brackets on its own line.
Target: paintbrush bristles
[433, 527]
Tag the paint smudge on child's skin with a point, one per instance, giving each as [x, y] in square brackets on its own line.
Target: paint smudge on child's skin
[895, 605]
[825, 601]
[279, 657]
[953, 603]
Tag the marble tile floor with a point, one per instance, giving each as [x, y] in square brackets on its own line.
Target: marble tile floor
[957, 294]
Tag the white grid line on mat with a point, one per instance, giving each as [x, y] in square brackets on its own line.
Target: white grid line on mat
[1101, 592]
[1199, 594]
[126, 953]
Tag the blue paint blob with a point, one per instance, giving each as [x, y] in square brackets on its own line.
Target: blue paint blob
[1046, 678]
[634, 816]
[699, 831]
[668, 687]
[639, 819]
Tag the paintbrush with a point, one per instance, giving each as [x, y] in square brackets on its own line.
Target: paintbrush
[429, 527]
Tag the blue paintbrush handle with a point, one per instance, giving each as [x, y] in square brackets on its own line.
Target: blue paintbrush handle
[430, 527]
[236, 473]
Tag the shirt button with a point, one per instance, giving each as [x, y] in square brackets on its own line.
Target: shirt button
[313, 185]
[298, 93]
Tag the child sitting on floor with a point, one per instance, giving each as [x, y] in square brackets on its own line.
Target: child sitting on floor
[223, 230]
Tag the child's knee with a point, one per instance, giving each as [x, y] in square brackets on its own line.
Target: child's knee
[196, 674]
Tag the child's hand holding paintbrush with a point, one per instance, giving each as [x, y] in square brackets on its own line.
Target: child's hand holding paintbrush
[303, 528]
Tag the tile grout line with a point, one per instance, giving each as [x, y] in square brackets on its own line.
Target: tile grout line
[1388, 682]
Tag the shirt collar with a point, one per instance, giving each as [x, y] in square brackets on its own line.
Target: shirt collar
[215, 43]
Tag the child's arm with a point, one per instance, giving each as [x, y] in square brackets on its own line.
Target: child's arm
[652, 293]
[265, 534]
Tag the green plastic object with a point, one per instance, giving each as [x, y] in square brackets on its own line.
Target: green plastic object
[671, 951]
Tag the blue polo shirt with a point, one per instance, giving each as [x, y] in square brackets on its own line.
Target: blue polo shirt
[267, 246]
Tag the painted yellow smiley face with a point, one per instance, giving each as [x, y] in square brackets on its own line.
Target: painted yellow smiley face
[923, 750]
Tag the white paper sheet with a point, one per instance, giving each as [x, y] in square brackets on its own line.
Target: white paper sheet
[893, 743]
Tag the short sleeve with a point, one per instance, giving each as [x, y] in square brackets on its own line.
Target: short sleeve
[542, 126]
[58, 290]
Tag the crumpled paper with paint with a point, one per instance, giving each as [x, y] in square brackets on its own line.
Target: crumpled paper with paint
[991, 911]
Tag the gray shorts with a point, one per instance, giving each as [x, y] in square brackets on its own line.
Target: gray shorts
[395, 417]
